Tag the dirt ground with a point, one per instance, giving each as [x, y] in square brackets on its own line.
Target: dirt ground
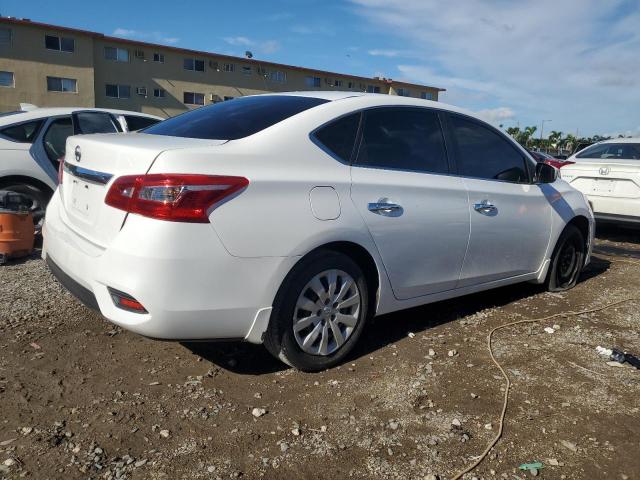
[80, 398]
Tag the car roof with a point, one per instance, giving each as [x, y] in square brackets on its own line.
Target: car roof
[375, 99]
[621, 140]
[54, 111]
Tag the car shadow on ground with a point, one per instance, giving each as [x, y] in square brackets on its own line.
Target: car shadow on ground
[249, 359]
[617, 233]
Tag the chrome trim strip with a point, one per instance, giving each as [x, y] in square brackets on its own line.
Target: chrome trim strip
[93, 176]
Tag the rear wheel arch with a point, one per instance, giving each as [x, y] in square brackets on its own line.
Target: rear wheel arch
[24, 180]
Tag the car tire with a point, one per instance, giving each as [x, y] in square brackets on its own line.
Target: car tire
[310, 331]
[38, 196]
[567, 260]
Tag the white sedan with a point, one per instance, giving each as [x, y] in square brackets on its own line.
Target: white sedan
[292, 219]
[608, 173]
[32, 141]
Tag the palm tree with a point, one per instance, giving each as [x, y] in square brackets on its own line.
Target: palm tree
[554, 138]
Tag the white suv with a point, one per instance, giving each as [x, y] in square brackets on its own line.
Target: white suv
[33, 140]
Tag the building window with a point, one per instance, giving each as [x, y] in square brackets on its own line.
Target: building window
[246, 70]
[158, 57]
[403, 92]
[278, 77]
[228, 67]
[159, 92]
[194, 64]
[116, 54]
[6, 79]
[312, 82]
[5, 36]
[350, 85]
[139, 54]
[373, 89]
[57, 84]
[117, 91]
[61, 44]
[337, 83]
[192, 98]
[426, 96]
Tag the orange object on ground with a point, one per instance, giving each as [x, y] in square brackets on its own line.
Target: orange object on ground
[16, 234]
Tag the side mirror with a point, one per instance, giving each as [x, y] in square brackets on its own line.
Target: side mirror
[545, 173]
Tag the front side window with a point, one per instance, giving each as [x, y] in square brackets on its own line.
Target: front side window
[117, 91]
[193, 98]
[56, 137]
[6, 79]
[483, 153]
[62, 44]
[339, 136]
[57, 84]
[24, 132]
[135, 122]
[116, 54]
[234, 119]
[621, 151]
[94, 122]
[403, 139]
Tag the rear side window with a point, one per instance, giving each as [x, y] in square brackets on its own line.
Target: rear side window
[136, 123]
[622, 151]
[23, 133]
[234, 119]
[56, 136]
[339, 136]
[94, 122]
[483, 153]
[403, 138]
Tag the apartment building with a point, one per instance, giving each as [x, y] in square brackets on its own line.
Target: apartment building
[49, 65]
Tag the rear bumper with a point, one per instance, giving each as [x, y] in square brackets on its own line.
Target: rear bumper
[615, 209]
[621, 219]
[191, 287]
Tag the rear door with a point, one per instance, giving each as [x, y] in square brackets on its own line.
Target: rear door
[415, 211]
[510, 217]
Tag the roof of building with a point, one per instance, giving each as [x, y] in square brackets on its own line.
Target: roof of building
[261, 63]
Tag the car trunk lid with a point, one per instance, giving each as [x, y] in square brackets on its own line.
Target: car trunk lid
[91, 165]
[607, 178]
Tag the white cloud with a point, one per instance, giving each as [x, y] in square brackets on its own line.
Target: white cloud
[146, 36]
[574, 61]
[382, 52]
[267, 46]
[315, 29]
[496, 115]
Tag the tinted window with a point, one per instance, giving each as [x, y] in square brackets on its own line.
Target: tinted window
[483, 153]
[94, 122]
[403, 138]
[627, 151]
[234, 119]
[137, 123]
[340, 135]
[51, 42]
[55, 138]
[24, 133]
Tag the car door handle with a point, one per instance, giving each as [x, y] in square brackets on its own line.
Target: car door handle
[485, 207]
[384, 208]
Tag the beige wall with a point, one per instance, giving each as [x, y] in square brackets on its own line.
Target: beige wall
[31, 63]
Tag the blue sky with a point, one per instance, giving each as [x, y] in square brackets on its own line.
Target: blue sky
[574, 62]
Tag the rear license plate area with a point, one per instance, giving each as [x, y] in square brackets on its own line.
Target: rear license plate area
[80, 195]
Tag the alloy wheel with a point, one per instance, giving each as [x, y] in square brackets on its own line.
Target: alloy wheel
[326, 312]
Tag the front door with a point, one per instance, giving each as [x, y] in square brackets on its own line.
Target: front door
[415, 211]
[510, 217]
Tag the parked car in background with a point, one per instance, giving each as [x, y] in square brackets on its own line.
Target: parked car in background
[33, 140]
[292, 219]
[608, 173]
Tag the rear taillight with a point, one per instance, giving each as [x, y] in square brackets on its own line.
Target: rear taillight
[126, 301]
[173, 197]
[558, 163]
[60, 169]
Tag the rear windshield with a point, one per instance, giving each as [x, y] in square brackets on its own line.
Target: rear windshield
[622, 151]
[233, 119]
